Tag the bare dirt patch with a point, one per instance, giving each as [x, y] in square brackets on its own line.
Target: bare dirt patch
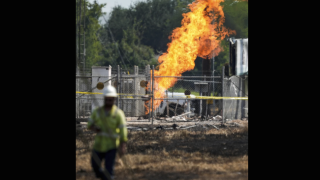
[175, 154]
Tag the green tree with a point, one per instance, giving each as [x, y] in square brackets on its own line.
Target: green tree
[236, 18]
[236, 13]
[120, 19]
[158, 19]
[128, 51]
[148, 24]
[93, 45]
[93, 11]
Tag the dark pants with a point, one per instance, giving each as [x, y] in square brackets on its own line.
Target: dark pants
[109, 158]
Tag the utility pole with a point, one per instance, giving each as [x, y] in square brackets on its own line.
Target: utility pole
[206, 71]
[152, 91]
[84, 48]
[213, 104]
[79, 56]
[81, 32]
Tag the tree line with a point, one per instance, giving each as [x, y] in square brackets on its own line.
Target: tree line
[139, 34]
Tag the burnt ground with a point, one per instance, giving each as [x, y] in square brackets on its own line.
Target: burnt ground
[200, 152]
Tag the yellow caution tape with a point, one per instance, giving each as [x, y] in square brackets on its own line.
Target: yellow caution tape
[210, 97]
[78, 92]
[183, 96]
[128, 97]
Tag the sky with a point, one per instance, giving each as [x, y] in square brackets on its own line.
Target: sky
[112, 3]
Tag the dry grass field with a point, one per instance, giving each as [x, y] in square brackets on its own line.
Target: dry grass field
[175, 154]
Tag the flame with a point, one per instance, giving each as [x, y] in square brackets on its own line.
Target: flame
[196, 37]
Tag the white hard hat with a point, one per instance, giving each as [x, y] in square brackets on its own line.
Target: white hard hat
[109, 91]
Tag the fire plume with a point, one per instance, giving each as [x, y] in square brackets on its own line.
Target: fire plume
[197, 36]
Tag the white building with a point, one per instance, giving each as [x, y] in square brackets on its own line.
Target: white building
[100, 74]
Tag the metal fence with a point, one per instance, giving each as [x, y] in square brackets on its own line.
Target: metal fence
[136, 88]
[201, 87]
[127, 83]
[235, 86]
[83, 102]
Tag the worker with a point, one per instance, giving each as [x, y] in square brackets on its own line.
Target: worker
[109, 122]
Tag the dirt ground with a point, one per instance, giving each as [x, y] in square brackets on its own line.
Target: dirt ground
[202, 153]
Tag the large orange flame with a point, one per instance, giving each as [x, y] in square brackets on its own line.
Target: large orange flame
[196, 37]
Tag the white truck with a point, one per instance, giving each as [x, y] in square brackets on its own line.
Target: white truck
[177, 104]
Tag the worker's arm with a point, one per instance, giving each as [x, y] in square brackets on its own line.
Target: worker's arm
[123, 128]
[123, 134]
[91, 121]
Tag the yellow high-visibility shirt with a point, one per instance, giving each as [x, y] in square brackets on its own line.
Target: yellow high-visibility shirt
[113, 128]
